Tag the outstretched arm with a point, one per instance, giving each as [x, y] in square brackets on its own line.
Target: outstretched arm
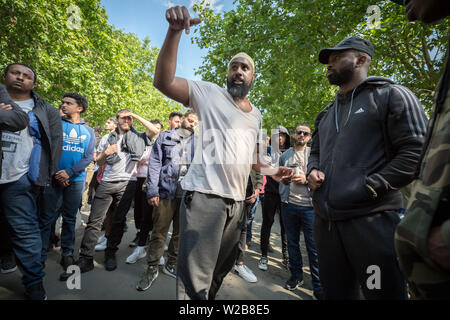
[165, 80]
[279, 174]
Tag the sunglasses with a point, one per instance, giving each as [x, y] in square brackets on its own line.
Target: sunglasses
[305, 133]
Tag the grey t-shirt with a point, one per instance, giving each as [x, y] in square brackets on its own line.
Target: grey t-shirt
[299, 193]
[17, 147]
[123, 170]
[227, 143]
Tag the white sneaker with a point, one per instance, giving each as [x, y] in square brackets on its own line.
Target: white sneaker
[245, 273]
[137, 254]
[101, 239]
[101, 246]
[162, 261]
[262, 264]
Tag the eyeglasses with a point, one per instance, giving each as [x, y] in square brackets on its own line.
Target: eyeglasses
[305, 133]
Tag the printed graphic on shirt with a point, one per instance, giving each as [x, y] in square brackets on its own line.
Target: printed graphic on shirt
[73, 139]
[10, 141]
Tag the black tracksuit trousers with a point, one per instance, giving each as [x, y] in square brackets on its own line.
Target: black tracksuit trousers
[358, 255]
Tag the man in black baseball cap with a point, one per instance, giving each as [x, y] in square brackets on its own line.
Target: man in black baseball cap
[365, 147]
[354, 43]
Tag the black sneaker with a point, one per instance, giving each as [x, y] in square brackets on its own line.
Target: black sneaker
[8, 264]
[35, 292]
[294, 282]
[66, 261]
[85, 263]
[110, 262]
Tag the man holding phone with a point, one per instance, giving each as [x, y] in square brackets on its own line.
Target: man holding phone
[298, 213]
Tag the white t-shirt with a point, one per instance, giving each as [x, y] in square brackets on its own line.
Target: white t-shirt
[226, 146]
[17, 147]
[123, 170]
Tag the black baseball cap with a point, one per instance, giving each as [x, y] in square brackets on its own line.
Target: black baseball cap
[349, 43]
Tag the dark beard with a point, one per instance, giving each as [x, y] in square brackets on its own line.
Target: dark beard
[342, 76]
[238, 90]
[300, 143]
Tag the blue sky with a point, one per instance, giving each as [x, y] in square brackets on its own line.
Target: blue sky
[147, 18]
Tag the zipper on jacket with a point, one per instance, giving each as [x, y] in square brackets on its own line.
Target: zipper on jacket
[329, 225]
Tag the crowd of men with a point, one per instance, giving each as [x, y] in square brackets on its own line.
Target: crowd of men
[340, 184]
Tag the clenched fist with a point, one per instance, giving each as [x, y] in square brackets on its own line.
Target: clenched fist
[179, 19]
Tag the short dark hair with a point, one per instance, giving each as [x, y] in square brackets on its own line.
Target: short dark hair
[190, 111]
[122, 111]
[157, 121]
[5, 71]
[81, 100]
[175, 114]
[113, 120]
[302, 125]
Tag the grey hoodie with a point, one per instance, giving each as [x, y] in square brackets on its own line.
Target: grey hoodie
[272, 186]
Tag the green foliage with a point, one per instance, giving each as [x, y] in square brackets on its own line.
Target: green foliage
[113, 69]
[284, 38]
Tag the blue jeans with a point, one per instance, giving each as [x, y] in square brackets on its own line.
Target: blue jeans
[68, 199]
[294, 218]
[251, 217]
[18, 204]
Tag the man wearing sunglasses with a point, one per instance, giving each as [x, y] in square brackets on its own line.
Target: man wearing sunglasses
[366, 146]
[298, 212]
[30, 158]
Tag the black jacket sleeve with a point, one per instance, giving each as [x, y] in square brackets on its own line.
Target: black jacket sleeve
[406, 124]
[11, 120]
[314, 156]
[56, 137]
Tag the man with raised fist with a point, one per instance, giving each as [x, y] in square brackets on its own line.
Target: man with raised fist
[211, 215]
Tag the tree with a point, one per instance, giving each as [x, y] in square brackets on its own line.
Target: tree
[73, 49]
[284, 38]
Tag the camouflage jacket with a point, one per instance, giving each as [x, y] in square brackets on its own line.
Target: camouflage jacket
[428, 205]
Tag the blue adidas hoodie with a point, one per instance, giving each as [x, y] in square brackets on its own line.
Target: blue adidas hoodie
[77, 149]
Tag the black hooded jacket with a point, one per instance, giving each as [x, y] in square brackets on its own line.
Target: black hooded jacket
[373, 145]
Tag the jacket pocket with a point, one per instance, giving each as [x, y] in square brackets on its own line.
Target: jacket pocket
[319, 202]
[348, 188]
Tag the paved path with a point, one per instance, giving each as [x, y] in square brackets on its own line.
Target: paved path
[100, 284]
